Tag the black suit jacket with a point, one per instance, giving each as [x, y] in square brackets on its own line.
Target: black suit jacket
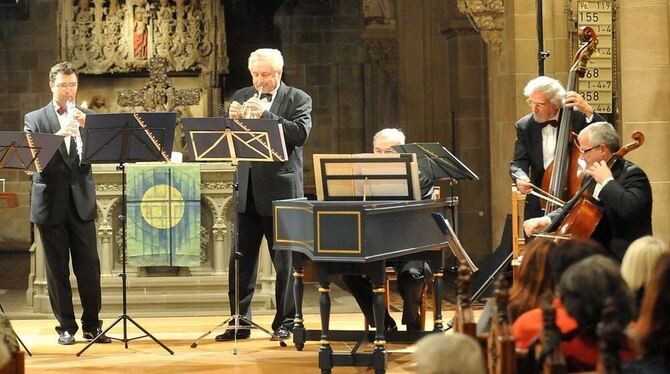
[626, 206]
[277, 180]
[62, 176]
[528, 162]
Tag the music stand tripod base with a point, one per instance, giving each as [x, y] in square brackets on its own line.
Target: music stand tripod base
[237, 318]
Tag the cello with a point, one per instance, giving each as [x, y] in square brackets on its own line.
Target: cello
[560, 180]
[581, 215]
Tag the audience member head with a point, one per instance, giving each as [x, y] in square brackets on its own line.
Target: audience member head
[570, 252]
[653, 327]
[387, 138]
[533, 280]
[584, 287]
[449, 354]
[639, 261]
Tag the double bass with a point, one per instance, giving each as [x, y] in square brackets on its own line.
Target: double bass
[560, 180]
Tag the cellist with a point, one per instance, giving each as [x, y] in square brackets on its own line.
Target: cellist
[537, 131]
[621, 191]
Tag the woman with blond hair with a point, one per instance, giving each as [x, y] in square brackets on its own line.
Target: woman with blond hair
[638, 263]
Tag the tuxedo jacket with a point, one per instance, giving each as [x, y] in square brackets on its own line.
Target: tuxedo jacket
[277, 180]
[626, 206]
[528, 161]
[63, 176]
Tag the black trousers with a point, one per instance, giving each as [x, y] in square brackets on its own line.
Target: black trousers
[409, 288]
[76, 238]
[251, 229]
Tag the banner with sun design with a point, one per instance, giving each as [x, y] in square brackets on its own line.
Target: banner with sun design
[163, 208]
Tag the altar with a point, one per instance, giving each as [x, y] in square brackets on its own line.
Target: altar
[163, 290]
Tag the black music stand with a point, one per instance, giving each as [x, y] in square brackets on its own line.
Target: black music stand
[118, 138]
[436, 162]
[225, 139]
[27, 151]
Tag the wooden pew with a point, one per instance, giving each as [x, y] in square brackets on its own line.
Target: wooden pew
[548, 351]
[16, 365]
[501, 353]
[610, 336]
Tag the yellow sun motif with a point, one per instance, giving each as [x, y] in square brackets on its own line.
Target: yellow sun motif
[157, 203]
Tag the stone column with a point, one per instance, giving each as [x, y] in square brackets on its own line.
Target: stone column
[644, 66]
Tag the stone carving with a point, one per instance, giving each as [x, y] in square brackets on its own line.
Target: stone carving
[123, 35]
[379, 14]
[158, 94]
[383, 51]
[486, 17]
[204, 243]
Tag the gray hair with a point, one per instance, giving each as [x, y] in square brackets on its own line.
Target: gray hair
[449, 354]
[389, 133]
[273, 56]
[64, 67]
[551, 88]
[603, 133]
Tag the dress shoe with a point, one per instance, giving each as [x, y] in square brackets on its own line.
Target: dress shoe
[282, 334]
[230, 334]
[90, 335]
[65, 338]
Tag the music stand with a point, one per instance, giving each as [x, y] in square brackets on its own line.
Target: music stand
[27, 151]
[225, 139]
[436, 162]
[118, 138]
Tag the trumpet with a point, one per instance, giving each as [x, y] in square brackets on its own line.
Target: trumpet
[246, 109]
[247, 112]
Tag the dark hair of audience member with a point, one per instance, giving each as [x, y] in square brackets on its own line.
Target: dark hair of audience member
[586, 285]
[533, 280]
[653, 327]
[570, 252]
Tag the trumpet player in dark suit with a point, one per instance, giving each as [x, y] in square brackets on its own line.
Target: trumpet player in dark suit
[63, 209]
[262, 182]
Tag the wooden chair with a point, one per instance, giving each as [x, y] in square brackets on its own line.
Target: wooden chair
[548, 352]
[610, 336]
[464, 320]
[518, 238]
[16, 365]
[501, 352]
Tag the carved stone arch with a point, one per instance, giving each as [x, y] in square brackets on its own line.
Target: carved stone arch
[486, 16]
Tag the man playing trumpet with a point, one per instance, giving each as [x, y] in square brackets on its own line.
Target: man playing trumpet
[262, 182]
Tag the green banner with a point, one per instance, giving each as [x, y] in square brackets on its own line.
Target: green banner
[163, 209]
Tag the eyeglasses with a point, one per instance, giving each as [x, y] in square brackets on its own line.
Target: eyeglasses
[585, 151]
[531, 103]
[66, 85]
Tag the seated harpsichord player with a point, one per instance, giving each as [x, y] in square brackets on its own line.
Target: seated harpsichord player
[411, 274]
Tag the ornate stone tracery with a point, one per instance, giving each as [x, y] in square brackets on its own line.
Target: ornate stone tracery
[118, 36]
[486, 17]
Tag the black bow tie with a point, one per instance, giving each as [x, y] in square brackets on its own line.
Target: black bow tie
[551, 122]
[267, 96]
